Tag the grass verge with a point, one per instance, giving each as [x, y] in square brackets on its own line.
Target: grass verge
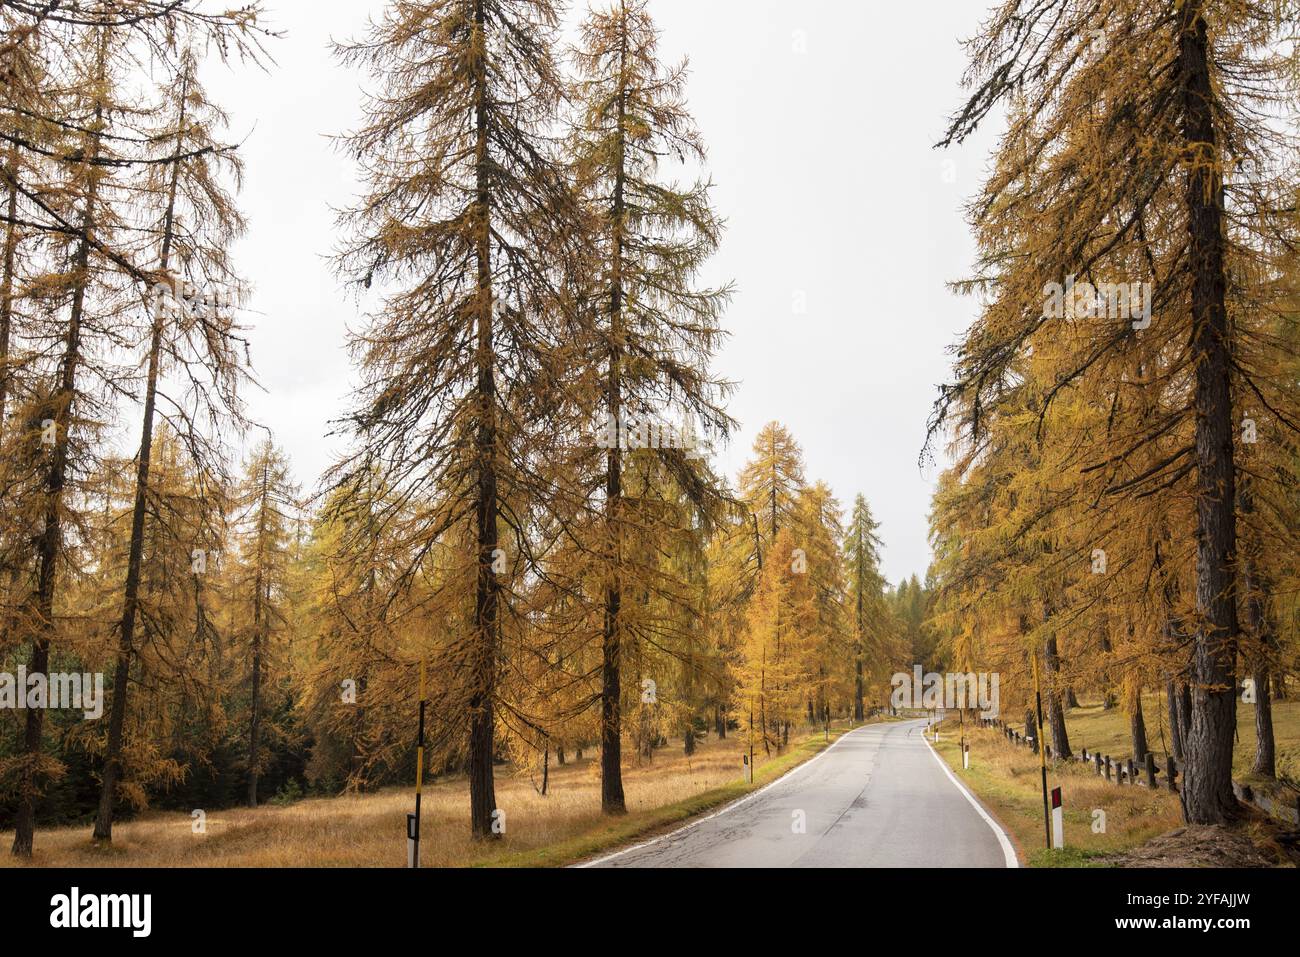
[1101, 818]
[563, 827]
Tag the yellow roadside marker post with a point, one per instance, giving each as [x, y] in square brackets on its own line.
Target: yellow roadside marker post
[413, 820]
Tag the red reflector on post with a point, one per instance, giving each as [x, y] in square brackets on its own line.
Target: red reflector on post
[1056, 797]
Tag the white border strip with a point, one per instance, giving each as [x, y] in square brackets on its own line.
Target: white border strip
[1008, 849]
[734, 804]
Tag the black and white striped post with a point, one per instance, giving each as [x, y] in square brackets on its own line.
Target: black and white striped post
[1058, 820]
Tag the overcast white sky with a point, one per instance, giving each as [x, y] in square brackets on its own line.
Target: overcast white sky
[819, 116]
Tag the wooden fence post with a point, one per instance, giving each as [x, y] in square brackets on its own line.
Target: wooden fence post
[1170, 772]
[1151, 771]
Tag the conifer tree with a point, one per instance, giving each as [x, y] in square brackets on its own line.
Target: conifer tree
[865, 597]
[1134, 152]
[464, 218]
[268, 500]
[654, 329]
[192, 325]
[55, 406]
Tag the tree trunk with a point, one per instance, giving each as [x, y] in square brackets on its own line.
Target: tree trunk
[259, 617]
[254, 721]
[103, 830]
[1055, 713]
[356, 741]
[1261, 646]
[1185, 712]
[1263, 639]
[1137, 725]
[611, 756]
[482, 790]
[6, 323]
[1265, 762]
[7, 282]
[611, 769]
[1175, 722]
[49, 543]
[1108, 700]
[1207, 786]
[859, 711]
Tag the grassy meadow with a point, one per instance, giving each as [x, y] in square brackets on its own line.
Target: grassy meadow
[368, 830]
[1007, 780]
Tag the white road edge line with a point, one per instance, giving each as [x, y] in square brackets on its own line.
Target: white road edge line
[733, 805]
[1008, 849]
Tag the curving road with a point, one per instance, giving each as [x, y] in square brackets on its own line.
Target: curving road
[878, 797]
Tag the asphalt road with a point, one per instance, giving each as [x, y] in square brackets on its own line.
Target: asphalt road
[878, 797]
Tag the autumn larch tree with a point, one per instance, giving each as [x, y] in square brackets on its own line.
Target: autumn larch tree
[866, 594]
[655, 329]
[268, 499]
[191, 323]
[1127, 115]
[463, 223]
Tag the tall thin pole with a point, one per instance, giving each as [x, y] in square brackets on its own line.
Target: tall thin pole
[751, 740]
[1042, 750]
[419, 770]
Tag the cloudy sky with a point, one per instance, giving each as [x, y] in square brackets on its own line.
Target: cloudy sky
[843, 225]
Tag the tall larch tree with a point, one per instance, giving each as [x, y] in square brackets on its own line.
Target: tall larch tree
[192, 325]
[655, 328]
[866, 605]
[1127, 115]
[267, 499]
[464, 220]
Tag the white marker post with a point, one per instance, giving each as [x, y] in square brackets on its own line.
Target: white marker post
[749, 769]
[1058, 820]
[965, 757]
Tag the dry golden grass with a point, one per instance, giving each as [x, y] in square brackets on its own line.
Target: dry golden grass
[1107, 731]
[369, 830]
[1008, 780]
